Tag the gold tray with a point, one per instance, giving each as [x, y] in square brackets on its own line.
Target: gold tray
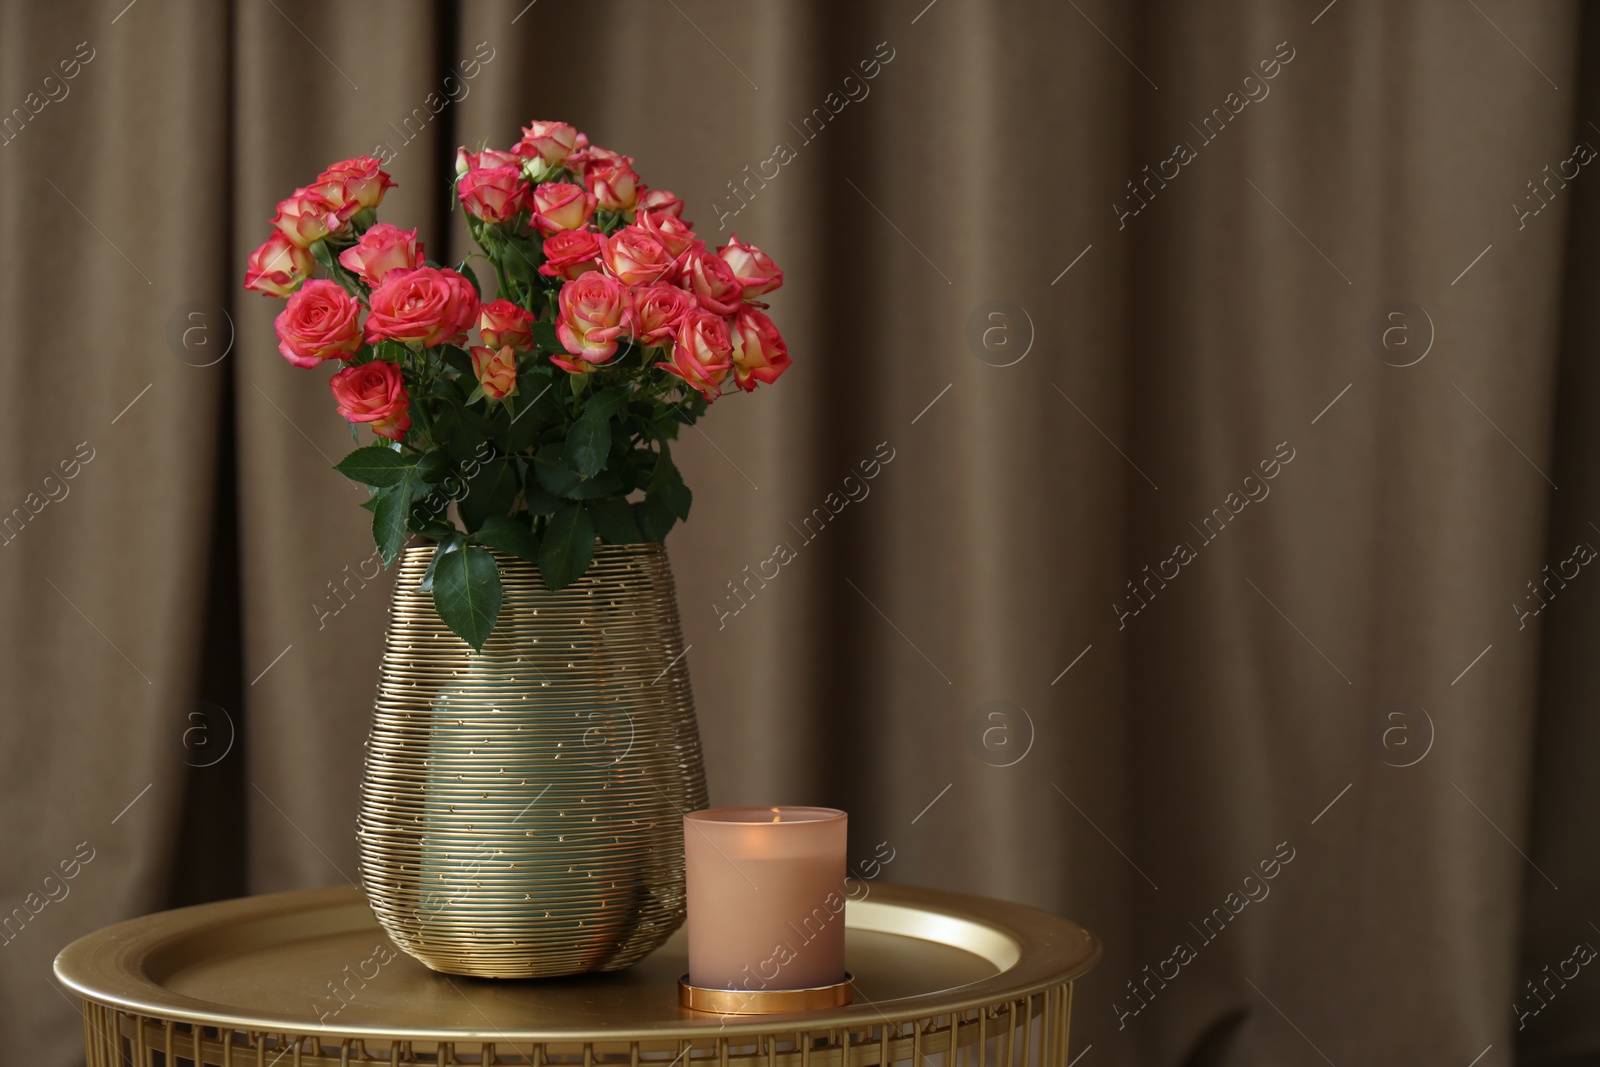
[254, 966]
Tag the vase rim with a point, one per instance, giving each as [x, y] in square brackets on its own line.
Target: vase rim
[419, 544]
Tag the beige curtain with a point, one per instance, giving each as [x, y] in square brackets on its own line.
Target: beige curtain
[1229, 358]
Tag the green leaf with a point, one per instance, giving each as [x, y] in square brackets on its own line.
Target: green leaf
[536, 498]
[392, 352]
[465, 268]
[466, 591]
[655, 518]
[375, 465]
[492, 491]
[666, 485]
[452, 542]
[550, 467]
[606, 483]
[426, 519]
[393, 513]
[521, 428]
[567, 548]
[614, 521]
[509, 536]
[324, 255]
[605, 404]
[634, 474]
[433, 467]
[462, 431]
[664, 469]
[539, 500]
[457, 360]
[676, 497]
[544, 335]
[588, 443]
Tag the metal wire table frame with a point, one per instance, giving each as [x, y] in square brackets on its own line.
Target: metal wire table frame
[943, 980]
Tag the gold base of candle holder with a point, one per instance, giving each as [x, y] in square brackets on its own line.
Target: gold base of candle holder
[765, 1001]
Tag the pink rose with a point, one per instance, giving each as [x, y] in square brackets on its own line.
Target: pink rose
[318, 323]
[361, 179]
[278, 267]
[382, 248]
[759, 354]
[487, 159]
[633, 257]
[671, 231]
[711, 280]
[662, 202]
[374, 393]
[551, 142]
[703, 352]
[308, 216]
[496, 370]
[561, 206]
[586, 156]
[659, 310]
[755, 270]
[345, 205]
[570, 253]
[594, 312]
[503, 323]
[614, 185]
[496, 195]
[430, 305]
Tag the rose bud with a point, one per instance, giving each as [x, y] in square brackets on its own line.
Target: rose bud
[594, 312]
[382, 248]
[496, 370]
[633, 257]
[278, 267]
[561, 206]
[503, 323]
[614, 185]
[318, 323]
[374, 393]
[755, 270]
[702, 353]
[660, 309]
[361, 178]
[670, 230]
[711, 280]
[307, 217]
[759, 354]
[570, 253]
[427, 306]
[496, 195]
[662, 202]
[486, 159]
[549, 142]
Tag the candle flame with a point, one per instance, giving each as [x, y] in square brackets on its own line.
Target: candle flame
[776, 814]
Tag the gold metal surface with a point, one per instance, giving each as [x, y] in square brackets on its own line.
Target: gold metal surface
[520, 811]
[297, 964]
[765, 1001]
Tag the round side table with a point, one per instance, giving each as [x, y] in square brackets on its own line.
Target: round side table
[307, 979]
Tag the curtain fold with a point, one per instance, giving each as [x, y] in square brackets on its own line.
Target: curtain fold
[1215, 401]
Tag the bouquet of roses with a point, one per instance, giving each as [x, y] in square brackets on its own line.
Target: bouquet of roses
[539, 421]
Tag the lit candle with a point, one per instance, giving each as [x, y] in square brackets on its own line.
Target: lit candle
[766, 897]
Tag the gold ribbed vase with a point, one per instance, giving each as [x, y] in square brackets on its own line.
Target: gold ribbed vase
[521, 810]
